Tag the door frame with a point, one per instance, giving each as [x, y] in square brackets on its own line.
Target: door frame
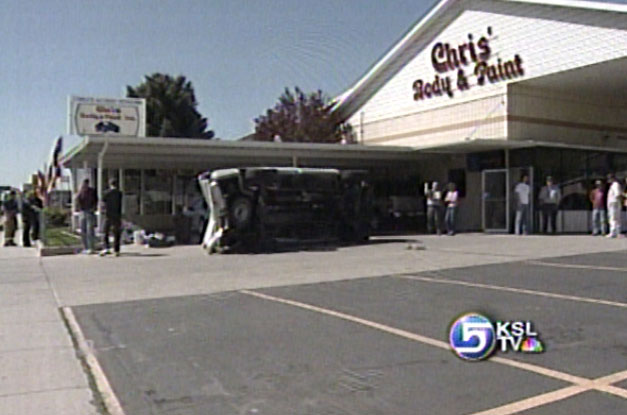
[484, 173]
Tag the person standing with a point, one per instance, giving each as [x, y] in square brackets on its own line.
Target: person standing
[614, 206]
[86, 202]
[624, 196]
[451, 201]
[549, 197]
[599, 214]
[434, 208]
[522, 191]
[10, 208]
[37, 205]
[112, 201]
[28, 217]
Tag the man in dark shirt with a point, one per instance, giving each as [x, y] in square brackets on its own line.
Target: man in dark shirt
[86, 202]
[31, 206]
[112, 201]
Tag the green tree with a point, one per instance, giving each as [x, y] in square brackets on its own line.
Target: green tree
[170, 107]
[300, 117]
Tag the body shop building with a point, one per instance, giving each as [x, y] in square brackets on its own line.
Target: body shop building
[497, 88]
[477, 92]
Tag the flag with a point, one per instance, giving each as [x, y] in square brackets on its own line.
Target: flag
[56, 156]
[41, 179]
[42, 187]
[54, 169]
[50, 179]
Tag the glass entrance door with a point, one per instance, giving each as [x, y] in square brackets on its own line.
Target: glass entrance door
[495, 200]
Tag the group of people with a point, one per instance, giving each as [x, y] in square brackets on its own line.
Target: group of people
[28, 206]
[441, 208]
[87, 204]
[548, 198]
[606, 208]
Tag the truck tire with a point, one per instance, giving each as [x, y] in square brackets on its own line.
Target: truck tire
[241, 212]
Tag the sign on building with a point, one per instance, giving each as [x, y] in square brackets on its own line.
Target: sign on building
[104, 116]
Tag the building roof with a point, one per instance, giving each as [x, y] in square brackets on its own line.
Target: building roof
[423, 32]
[197, 154]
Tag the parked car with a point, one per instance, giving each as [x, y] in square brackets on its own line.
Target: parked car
[257, 207]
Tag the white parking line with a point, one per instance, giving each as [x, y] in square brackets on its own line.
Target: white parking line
[601, 384]
[576, 266]
[363, 322]
[535, 401]
[109, 398]
[580, 384]
[514, 290]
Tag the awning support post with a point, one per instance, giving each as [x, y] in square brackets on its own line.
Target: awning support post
[73, 192]
[100, 186]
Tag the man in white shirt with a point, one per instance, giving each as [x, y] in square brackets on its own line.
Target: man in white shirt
[522, 191]
[451, 200]
[614, 206]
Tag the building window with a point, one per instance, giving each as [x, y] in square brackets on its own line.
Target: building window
[187, 194]
[458, 176]
[157, 192]
[132, 192]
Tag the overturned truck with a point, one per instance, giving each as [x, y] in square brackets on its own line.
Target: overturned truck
[257, 208]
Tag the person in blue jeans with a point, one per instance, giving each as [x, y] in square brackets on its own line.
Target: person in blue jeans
[522, 191]
[550, 196]
[86, 202]
[434, 208]
[451, 201]
[599, 214]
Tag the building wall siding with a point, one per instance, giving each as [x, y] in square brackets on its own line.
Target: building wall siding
[548, 40]
[554, 116]
[481, 118]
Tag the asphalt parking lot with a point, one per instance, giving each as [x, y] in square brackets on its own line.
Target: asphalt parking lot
[376, 345]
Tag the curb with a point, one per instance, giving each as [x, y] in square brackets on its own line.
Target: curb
[102, 385]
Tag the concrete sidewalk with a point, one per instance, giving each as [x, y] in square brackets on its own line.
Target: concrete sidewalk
[40, 371]
[40, 368]
[142, 273]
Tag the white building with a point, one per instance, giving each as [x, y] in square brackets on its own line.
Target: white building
[504, 87]
[478, 92]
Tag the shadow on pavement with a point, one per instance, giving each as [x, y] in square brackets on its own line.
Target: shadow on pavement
[139, 254]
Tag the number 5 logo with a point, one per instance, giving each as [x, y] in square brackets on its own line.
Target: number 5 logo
[472, 337]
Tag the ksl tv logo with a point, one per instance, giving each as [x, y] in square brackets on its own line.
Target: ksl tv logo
[475, 337]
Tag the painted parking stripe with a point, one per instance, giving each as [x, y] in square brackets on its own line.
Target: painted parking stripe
[605, 384]
[600, 384]
[109, 399]
[348, 317]
[580, 384]
[419, 338]
[540, 370]
[514, 290]
[576, 266]
[535, 401]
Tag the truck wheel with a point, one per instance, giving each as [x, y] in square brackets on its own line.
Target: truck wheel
[241, 212]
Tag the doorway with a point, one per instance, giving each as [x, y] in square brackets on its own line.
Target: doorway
[495, 191]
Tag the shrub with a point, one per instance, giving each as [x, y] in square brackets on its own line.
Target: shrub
[57, 216]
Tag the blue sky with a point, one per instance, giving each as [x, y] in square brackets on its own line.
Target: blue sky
[239, 55]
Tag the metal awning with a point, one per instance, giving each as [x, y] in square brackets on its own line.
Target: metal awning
[197, 154]
[480, 145]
